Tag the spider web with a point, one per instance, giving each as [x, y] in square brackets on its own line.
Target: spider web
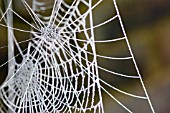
[59, 71]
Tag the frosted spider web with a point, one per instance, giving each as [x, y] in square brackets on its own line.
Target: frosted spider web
[59, 71]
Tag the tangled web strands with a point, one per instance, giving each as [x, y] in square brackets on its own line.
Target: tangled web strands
[59, 71]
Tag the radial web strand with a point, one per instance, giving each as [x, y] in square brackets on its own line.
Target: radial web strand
[55, 67]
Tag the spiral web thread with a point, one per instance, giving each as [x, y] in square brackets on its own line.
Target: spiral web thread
[59, 70]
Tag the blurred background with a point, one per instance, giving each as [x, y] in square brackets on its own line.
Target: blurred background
[147, 25]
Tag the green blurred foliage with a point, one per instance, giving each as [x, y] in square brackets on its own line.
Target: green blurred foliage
[147, 24]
